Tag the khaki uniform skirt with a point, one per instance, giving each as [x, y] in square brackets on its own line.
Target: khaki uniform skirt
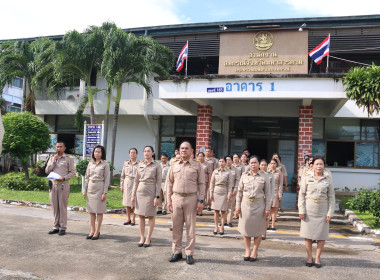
[252, 222]
[315, 227]
[127, 193]
[276, 199]
[220, 198]
[94, 194]
[144, 200]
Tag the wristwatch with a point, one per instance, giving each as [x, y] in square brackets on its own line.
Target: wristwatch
[200, 201]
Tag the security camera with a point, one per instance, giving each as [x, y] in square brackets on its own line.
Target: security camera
[301, 27]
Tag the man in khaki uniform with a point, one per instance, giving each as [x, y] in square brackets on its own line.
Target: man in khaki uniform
[161, 209]
[210, 159]
[236, 174]
[60, 191]
[185, 185]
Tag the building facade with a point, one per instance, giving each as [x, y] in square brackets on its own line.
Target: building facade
[250, 84]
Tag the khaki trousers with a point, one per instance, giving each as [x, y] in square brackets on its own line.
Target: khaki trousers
[231, 209]
[184, 211]
[162, 201]
[59, 197]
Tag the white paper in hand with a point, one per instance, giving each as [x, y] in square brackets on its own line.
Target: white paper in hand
[54, 176]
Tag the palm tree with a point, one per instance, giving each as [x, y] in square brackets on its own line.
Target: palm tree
[27, 60]
[80, 55]
[131, 59]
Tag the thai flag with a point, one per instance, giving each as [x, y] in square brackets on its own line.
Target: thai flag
[322, 50]
[182, 56]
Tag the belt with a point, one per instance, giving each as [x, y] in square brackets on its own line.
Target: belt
[148, 183]
[253, 199]
[185, 194]
[95, 181]
[59, 182]
[224, 186]
[130, 178]
[317, 201]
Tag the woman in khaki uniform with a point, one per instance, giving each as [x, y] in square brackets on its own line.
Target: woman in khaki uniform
[207, 168]
[277, 191]
[244, 162]
[146, 192]
[127, 180]
[316, 204]
[253, 205]
[221, 185]
[264, 169]
[95, 189]
[236, 174]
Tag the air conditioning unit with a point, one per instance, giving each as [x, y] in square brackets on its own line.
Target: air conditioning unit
[71, 97]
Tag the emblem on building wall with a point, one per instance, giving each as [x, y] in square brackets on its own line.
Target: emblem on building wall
[263, 41]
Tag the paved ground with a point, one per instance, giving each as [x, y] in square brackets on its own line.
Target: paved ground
[28, 252]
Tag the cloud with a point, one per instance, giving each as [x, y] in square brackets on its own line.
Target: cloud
[336, 7]
[25, 18]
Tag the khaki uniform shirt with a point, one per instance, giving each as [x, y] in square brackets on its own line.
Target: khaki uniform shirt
[97, 172]
[64, 167]
[150, 173]
[254, 187]
[236, 171]
[165, 169]
[312, 188]
[222, 177]
[186, 177]
[278, 182]
[207, 167]
[129, 172]
[213, 162]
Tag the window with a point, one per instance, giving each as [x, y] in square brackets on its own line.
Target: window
[367, 154]
[186, 125]
[370, 130]
[343, 129]
[17, 82]
[319, 148]
[65, 124]
[167, 125]
[168, 146]
[50, 120]
[340, 153]
[317, 128]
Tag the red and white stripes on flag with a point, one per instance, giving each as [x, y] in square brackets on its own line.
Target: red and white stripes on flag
[182, 56]
[322, 50]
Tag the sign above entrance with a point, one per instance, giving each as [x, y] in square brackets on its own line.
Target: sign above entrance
[263, 52]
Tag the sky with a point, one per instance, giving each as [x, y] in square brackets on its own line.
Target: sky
[34, 18]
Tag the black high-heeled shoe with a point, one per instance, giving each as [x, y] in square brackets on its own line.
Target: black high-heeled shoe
[95, 237]
[89, 236]
[309, 264]
[246, 259]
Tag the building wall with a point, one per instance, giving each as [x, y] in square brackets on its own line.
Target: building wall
[354, 178]
[132, 132]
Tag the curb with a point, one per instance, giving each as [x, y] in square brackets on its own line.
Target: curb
[49, 206]
[359, 224]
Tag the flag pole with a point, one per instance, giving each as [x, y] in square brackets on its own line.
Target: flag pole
[328, 56]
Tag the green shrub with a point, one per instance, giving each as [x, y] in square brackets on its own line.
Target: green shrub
[81, 167]
[374, 206]
[16, 181]
[361, 201]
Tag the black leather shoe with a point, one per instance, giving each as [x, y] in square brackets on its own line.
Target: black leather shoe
[230, 224]
[95, 237]
[132, 224]
[175, 257]
[62, 232]
[246, 259]
[159, 212]
[127, 223]
[164, 212]
[53, 231]
[147, 245]
[140, 244]
[189, 260]
[318, 265]
[89, 236]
